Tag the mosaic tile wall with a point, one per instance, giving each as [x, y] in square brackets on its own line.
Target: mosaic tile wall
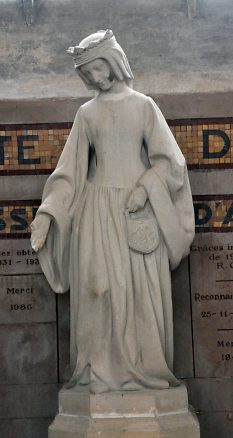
[31, 149]
[16, 217]
[205, 143]
[212, 213]
[36, 148]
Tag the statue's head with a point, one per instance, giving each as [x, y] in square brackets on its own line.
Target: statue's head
[99, 60]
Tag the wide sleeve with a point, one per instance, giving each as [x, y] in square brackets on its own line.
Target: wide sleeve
[62, 192]
[167, 185]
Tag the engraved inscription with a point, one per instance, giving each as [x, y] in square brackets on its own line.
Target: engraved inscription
[26, 298]
[211, 263]
[20, 292]
[17, 257]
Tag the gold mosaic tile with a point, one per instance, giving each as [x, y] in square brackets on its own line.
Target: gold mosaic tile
[36, 148]
[16, 217]
[213, 214]
[205, 144]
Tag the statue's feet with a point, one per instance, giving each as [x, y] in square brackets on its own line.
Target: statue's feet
[94, 387]
[131, 386]
[71, 384]
[98, 387]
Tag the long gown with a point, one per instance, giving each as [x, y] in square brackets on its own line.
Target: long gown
[121, 308]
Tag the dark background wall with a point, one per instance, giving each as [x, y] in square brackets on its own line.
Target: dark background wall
[171, 49]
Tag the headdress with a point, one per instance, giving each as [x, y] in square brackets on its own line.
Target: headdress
[101, 44]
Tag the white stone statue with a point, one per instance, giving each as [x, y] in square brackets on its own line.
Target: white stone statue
[116, 216]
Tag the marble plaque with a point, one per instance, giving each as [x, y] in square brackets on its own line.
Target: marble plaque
[17, 257]
[28, 353]
[26, 298]
[211, 263]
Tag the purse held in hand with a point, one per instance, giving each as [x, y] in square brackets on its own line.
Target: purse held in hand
[142, 232]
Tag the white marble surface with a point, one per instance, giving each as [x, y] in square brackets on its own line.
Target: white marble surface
[120, 155]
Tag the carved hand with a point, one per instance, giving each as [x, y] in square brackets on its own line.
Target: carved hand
[40, 227]
[137, 199]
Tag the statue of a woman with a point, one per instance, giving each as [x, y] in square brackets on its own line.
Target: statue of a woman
[116, 216]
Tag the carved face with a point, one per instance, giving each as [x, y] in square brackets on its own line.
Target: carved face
[98, 73]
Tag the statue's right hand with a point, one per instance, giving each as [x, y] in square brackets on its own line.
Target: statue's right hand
[40, 227]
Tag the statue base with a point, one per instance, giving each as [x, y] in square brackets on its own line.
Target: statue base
[132, 414]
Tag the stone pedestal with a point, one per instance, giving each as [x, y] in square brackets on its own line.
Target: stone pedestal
[139, 414]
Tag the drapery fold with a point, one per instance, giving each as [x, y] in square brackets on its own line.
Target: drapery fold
[121, 307]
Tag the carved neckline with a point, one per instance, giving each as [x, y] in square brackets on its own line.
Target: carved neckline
[115, 96]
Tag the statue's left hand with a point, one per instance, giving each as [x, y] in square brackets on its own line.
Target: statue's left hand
[137, 199]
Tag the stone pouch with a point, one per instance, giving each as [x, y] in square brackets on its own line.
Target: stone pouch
[142, 232]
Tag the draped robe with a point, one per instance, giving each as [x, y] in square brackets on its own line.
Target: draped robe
[121, 307]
